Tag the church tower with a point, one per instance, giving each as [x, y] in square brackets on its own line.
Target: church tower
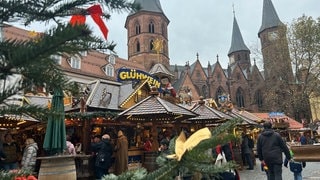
[274, 46]
[239, 52]
[278, 72]
[145, 27]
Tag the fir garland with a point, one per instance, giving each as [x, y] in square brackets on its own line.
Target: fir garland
[109, 115]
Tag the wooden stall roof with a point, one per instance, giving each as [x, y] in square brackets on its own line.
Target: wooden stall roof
[247, 120]
[208, 114]
[10, 121]
[153, 108]
[293, 124]
[251, 116]
[15, 121]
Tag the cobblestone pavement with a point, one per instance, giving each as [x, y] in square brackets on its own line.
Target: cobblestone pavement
[310, 172]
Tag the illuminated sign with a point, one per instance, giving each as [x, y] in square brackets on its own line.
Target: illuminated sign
[125, 74]
[276, 114]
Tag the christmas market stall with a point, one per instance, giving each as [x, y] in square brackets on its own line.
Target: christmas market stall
[20, 125]
[91, 114]
[208, 116]
[291, 130]
[283, 124]
[157, 111]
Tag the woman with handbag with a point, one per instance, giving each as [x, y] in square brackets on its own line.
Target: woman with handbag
[224, 153]
[103, 152]
[295, 167]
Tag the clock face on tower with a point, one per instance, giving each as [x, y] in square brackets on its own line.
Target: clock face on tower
[273, 35]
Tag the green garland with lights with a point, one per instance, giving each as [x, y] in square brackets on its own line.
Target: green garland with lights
[90, 115]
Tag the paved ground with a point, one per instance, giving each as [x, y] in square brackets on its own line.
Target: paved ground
[311, 172]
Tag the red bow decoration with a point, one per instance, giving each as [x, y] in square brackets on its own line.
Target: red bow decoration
[95, 12]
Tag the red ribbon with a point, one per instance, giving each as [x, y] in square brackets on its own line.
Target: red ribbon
[95, 12]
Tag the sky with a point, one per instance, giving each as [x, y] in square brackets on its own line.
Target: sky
[205, 26]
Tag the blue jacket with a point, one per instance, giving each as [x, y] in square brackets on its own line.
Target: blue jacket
[286, 161]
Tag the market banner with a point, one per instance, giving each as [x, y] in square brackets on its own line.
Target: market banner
[135, 75]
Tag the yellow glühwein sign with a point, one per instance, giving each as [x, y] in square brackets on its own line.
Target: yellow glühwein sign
[125, 74]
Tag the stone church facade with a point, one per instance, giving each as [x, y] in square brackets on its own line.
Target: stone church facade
[241, 80]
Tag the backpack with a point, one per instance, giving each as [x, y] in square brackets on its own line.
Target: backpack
[250, 143]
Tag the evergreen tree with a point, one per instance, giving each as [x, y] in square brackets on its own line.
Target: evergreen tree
[29, 61]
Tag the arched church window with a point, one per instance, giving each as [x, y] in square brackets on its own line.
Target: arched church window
[258, 98]
[151, 45]
[204, 91]
[240, 98]
[137, 46]
[138, 29]
[151, 27]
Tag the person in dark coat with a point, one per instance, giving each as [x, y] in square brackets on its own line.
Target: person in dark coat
[270, 147]
[11, 151]
[246, 150]
[103, 150]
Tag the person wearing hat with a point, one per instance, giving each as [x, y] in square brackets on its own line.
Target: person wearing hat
[270, 146]
[121, 153]
[103, 151]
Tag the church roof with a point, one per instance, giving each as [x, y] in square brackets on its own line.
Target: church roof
[237, 43]
[269, 16]
[149, 5]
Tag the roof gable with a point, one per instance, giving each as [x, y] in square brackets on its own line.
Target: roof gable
[198, 68]
[103, 95]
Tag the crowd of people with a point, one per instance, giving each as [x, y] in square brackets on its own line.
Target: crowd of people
[107, 153]
[103, 152]
[11, 156]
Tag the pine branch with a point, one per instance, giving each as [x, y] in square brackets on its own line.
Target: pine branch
[164, 172]
[37, 112]
[46, 10]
